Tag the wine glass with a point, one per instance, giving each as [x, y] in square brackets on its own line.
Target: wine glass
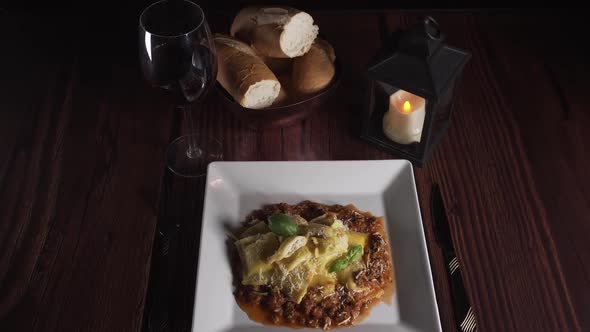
[177, 55]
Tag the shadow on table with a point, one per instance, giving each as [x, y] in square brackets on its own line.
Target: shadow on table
[171, 289]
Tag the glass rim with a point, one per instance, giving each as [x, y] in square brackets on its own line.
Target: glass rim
[144, 11]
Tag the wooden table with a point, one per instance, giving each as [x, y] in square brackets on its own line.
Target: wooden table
[85, 196]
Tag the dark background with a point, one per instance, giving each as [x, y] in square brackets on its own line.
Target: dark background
[108, 29]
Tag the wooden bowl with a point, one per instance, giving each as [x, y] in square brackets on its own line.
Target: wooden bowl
[283, 115]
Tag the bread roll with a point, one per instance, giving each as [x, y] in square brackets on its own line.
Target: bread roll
[284, 95]
[279, 32]
[278, 66]
[315, 70]
[244, 23]
[282, 99]
[244, 75]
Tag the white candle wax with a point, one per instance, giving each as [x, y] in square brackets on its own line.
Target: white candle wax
[403, 122]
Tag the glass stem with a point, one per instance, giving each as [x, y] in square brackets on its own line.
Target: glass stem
[193, 150]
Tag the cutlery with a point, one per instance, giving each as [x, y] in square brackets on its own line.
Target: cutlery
[464, 314]
[158, 317]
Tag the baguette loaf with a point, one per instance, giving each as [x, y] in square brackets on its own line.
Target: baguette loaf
[315, 70]
[279, 32]
[244, 75]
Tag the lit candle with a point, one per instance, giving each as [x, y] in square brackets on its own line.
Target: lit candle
[403, 122]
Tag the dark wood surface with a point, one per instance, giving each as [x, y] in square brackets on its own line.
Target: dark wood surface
[96, 235]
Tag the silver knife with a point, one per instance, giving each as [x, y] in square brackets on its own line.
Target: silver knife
[464, 313]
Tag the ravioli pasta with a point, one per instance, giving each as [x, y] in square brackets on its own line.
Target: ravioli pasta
[308, 257]
[297, 262]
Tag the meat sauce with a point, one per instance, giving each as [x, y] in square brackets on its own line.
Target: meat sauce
[343, 307]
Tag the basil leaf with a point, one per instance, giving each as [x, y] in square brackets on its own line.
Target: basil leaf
[355, 253]
[339, 264]
[282, 224]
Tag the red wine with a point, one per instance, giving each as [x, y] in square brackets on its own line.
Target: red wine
[183, 75]
[177, 53]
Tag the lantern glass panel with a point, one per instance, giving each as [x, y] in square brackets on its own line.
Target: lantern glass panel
[393, 126]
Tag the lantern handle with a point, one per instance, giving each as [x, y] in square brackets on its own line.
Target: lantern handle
[431, 27]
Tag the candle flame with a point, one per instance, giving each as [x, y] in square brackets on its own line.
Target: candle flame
[407, 107]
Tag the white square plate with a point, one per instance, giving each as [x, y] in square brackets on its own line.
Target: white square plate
[383, 187]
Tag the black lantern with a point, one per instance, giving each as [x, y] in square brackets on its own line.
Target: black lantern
[411, 92]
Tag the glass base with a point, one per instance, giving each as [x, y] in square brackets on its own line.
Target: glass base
[189, 155]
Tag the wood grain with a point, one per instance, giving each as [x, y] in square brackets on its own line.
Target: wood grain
[498, 221]
[552, 114]
[30, 108]
[80, 187]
